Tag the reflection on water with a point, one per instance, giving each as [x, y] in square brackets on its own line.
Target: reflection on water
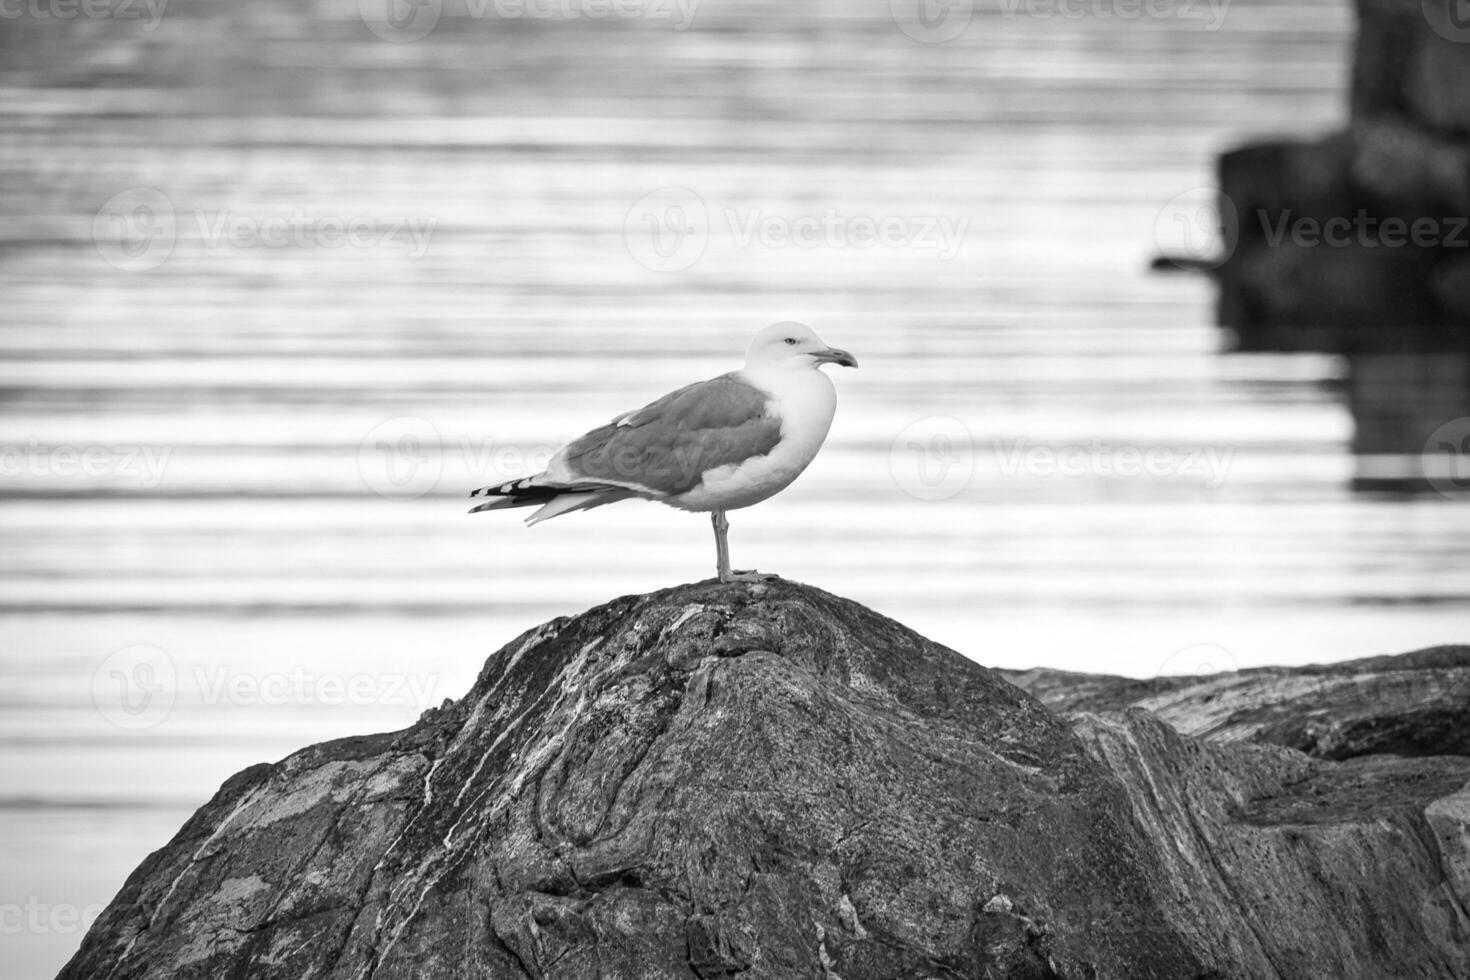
[1408, 391]
[1411, 421]
[236, 452]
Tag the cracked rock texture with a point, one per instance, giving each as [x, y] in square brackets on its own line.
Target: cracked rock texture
[771, 782]
[1411, 704]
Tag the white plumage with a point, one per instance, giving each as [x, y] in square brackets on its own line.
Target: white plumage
[712, 446]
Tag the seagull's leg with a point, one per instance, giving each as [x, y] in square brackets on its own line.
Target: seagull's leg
[722, 546]
[722, 554]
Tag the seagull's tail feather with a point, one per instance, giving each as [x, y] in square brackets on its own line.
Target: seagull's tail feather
[586, 500]
[553, 498]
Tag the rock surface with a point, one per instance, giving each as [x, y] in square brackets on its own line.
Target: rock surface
[1414, 704]
[771, 782]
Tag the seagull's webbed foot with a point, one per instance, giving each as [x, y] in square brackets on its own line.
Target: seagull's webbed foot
[722, 555]
[749, 575]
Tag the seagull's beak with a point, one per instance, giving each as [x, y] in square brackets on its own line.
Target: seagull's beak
[834, 356]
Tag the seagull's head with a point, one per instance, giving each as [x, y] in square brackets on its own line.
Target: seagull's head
[792, 344]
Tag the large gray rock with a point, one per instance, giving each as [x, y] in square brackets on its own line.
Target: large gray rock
[771, 782]
[1413, 704]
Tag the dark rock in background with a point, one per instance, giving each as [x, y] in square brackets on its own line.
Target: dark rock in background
[1358, 243]
[1393, 278]
[1410, 62]
[771, 782]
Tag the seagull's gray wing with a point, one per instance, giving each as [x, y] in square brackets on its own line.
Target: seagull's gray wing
[665, 448]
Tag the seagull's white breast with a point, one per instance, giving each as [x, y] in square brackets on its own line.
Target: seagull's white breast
[805, 401]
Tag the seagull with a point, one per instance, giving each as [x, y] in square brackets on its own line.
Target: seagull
[710, 447]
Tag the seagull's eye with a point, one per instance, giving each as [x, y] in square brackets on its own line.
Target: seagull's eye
[790, 341]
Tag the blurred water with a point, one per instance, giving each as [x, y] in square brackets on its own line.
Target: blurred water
[235, 455]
